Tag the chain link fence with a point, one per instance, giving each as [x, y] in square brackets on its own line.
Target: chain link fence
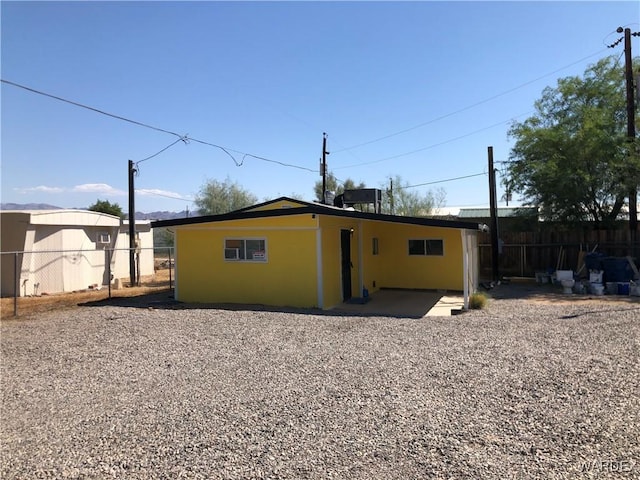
[27, 276]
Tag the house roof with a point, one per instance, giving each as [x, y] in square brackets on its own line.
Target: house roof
[63, 217]
[300, 207]
[502, 212]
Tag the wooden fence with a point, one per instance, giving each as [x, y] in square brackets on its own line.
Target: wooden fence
[525, 253]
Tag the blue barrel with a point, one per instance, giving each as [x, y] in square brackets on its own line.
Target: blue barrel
[616, 269]
[593, 261]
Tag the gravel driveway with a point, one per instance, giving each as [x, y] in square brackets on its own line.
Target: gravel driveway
[519, 390]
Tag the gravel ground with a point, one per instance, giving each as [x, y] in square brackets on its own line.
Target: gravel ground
[518, 390]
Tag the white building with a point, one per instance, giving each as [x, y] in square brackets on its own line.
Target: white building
[67, 250]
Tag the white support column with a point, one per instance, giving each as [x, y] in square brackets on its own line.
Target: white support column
[465, 269]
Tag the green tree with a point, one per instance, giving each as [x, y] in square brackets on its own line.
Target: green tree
[406, 202]
[217, 197]
[571, 158]
[105, 206]
[334, 186]
[163, 238]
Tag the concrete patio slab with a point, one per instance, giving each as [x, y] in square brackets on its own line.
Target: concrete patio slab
[405, 303]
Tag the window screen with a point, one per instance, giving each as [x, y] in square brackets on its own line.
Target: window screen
[245, 249]
[426, 246]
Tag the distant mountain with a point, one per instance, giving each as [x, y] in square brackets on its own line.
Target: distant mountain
[164, 215]
[28, 206]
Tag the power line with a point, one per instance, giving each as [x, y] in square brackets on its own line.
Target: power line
[183, 138]
[279, 162]
[433, 145]
[93, 109]
[481, 102]
[443, 181]
[151, 192]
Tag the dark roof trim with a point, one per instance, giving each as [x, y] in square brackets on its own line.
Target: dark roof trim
[275, 200]
[313, 209]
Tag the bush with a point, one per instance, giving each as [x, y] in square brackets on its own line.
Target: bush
[477, 301]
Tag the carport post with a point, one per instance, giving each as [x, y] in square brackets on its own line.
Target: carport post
[465, 270]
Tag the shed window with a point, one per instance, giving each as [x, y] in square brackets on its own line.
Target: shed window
[103, 238]
[426, 246]
[245, 249]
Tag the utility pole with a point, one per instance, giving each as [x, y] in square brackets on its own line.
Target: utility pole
[631, 128]
[493, 208]
[323, 167]
[132, 226]
[391, 194]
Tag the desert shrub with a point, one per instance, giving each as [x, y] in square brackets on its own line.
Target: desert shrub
[477, 301]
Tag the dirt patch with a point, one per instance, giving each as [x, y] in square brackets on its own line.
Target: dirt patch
[153, 291]
[31, 305]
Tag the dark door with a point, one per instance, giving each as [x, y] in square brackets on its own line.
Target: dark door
[345, 246]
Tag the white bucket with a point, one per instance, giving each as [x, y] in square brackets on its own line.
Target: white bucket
[564, 275]
[595, 276]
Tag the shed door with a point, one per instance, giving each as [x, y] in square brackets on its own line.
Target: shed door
[345, 246]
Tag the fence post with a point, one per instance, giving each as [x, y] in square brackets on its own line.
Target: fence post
[170, 279]
[16, 287]
[109, 251]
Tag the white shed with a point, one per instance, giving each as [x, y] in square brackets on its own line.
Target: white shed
[65, 250]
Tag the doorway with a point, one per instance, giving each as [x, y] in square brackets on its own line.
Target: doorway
[345, 246]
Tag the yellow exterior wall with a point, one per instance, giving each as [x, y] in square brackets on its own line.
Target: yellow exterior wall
[287, 278]
[332, 258]
[393, 267]
[293, 270]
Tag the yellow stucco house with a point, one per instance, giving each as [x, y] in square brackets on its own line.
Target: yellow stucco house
[288, 252]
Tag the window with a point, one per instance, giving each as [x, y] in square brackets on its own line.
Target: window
[103, 237]
[426, 247]
[374, 245]
[245, 249]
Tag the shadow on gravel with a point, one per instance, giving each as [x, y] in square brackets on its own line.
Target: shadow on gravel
[394, 304]
[609, 310]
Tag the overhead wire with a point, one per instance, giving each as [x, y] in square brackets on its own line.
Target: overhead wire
[433, 145]
[77, 104]
[151, 192]
[183, 138]
[444, 181]
[481, 102]
[226, 150]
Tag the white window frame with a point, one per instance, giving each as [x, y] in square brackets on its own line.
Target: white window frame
[100, 238]
[425, 254]
[244, 240]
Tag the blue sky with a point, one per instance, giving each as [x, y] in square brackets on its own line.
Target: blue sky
[267, 79]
